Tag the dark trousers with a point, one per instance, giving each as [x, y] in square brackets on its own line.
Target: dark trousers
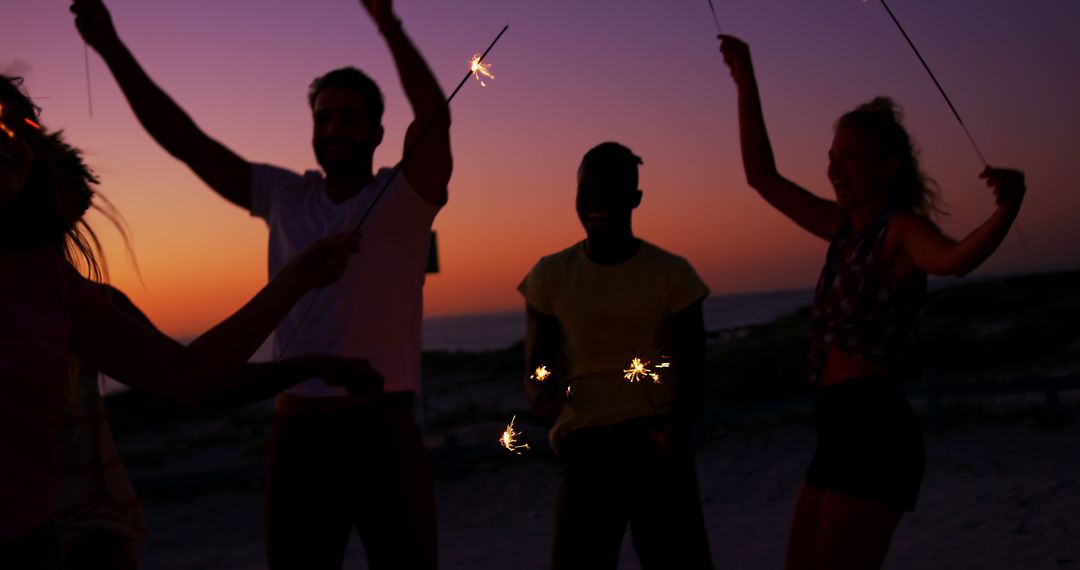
[39, 549]
[364, 468]
[612, 476]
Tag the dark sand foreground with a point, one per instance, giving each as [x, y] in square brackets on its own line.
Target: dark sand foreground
[999, 495]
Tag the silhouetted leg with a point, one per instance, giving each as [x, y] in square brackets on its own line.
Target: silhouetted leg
[804, 528]
[590, 502]
[39, 549]
[854, 532]
[307, 526]
[395, 512]
[102, 551]
[666, 523]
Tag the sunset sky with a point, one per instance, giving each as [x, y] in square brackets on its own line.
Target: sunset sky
[569, 74]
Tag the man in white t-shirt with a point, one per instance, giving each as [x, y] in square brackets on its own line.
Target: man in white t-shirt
[337, 462]
[623, 448]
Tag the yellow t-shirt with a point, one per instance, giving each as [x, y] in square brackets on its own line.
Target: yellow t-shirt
[608, 315]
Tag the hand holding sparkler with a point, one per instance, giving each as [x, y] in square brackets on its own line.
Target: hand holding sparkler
[94, 23]
[545, 402]
[1009, 187]
[382, 13]
[323, 262]
[737, 57]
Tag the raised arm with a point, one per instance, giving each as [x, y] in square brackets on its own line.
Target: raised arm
[542, 348]
[168, 124]
[149, 361]
[429, 165]
[933, 252]
[816, 215]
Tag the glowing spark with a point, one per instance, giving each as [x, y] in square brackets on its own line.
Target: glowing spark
[637, 370]
[655, 378]
[509, 439]
[541, 373]
[8, 131]
[664, 365]
[479, 69]
[3, 126]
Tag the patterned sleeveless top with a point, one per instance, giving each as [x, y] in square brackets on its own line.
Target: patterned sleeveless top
[855, 310]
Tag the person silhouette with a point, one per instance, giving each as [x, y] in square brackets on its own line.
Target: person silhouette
[869, 461]
[376, 480]
[623, 449]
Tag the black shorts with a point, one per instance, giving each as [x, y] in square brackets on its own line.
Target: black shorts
[869, 442]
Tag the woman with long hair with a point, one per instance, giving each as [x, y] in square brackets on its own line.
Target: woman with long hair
[49, 311]
[868, 464]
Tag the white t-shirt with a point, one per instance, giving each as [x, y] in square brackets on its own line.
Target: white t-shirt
[375, 310]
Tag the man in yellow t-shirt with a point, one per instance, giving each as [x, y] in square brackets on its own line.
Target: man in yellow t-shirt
[622, 447]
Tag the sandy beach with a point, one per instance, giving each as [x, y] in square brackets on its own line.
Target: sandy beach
[999, 494]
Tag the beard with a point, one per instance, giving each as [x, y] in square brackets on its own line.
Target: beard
[354, 161]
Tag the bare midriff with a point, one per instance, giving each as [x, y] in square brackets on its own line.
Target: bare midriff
[841, 366]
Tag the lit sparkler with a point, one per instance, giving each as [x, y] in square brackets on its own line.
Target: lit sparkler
[509, 439]
[8, 131]
[3, 126]
[637, 370]
[479, 69]
[393, 174]
[541, 373]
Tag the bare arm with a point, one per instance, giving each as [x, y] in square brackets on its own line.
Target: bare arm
[542, 348]
[429, 166]
[259, 381]
[816, 215]
[146, 359]
[688, 356]
[220, 168]
[933, 252]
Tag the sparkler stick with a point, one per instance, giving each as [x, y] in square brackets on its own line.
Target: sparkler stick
[1016, 226]
[473, 65]
[509, 439]
[86, 64]
[936, 83]
[397, 168]
[715, 19]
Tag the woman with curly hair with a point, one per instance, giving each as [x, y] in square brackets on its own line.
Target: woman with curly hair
[868, 464]
[49, 311]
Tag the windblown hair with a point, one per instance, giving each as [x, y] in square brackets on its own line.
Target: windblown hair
[910, 190]
[351, 78]
[614, 157]
[51, 208]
